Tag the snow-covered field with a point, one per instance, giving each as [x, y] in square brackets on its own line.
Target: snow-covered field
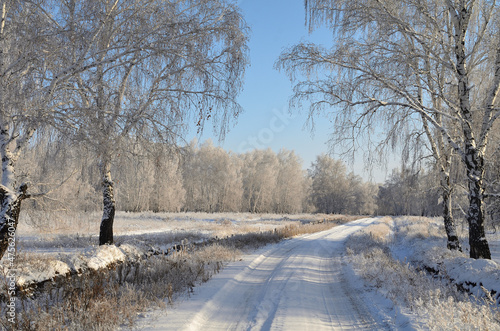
[79, 231]
[370, 273]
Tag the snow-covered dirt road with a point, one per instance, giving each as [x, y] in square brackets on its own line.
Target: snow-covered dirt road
[298, 284]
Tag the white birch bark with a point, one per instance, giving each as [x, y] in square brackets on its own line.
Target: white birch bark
[13, 137]
[109, 204]
[473, 154]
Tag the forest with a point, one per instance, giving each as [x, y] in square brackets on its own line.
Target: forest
[199, 178]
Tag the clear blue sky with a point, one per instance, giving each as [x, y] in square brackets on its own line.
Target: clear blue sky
[266, 122]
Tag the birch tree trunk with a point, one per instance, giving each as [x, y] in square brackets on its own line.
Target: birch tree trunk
[9, 215]
[473, 157]
[479, 248]
[10, 196]
[109, 205]
[449, 222]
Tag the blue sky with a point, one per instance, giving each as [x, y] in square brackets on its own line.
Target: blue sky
[266, 122]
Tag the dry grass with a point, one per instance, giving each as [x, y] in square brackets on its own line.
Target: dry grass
[380, 232]
[295, 230]
[418, 227]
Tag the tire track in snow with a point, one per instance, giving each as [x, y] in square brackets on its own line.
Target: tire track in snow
[295, 285]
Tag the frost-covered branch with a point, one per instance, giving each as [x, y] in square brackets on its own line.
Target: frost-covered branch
[415, 61]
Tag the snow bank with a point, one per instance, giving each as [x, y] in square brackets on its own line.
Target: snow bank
[46, 269]
[391, 260]
[424, 245]
[474, 273]
[469, 274]
[49, 270]
[104, 256]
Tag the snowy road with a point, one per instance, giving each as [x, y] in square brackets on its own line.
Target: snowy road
[295, 285]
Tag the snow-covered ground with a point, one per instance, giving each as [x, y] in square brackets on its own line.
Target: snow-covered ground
[308, 282]
[405, 259]
[71, 245]
[298, 284]
[305, 283]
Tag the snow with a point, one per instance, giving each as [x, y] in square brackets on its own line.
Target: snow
[480, 272]
[303, 283]
[298, 284]
[104, 256]
[431, 253]
[94, 258]
[50, 270]
[136, 233]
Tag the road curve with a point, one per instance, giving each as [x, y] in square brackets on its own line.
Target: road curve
[295, 285]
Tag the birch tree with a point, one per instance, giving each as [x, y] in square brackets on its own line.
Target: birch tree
[14, 134]
[334, 191]
[259, 175]
[167, 191]
[161, 64]
[148, 177]
[290, 191]
[435, 63]
[32, 41]
[406, 192]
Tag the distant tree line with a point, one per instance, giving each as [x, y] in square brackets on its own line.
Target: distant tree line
[197, 177]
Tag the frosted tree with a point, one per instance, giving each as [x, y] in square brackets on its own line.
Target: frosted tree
[415, 63]
[66, 174]
[133, 170]
[259, 175]
[330, 187]
[33, 40]
[161, 64]
[409, 192]
[20, 55]
[211, 179]
[360, 196]
[149, 177]
[167, 190]
[290, 194]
